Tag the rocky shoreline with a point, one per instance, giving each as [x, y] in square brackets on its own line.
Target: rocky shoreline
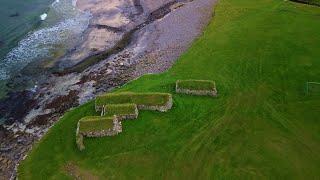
[160, 31]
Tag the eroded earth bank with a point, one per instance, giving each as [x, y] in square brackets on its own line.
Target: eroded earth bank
[125, 39]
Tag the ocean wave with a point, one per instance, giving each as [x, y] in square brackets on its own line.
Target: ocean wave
[41, 43]
[43, 16]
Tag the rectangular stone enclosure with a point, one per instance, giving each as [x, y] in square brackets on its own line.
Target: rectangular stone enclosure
[122, 111]
[146, 101]
[196, 87]
[96, 126]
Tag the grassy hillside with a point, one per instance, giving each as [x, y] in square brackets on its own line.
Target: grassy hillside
[311, 2]
[261, 54]
[315, 2]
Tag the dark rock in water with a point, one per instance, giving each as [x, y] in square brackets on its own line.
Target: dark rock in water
[1, 43]
[14, 15]
[16, 106]
[3, 132]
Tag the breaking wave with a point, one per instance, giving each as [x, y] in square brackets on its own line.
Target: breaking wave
[43, 16]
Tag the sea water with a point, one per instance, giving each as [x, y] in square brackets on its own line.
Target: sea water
[32, 30]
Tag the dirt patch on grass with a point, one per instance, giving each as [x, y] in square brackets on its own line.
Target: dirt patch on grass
[78, 173]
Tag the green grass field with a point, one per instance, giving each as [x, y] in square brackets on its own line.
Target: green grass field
[95, 123]
[196, 85]
[120, 109]
[262, 126]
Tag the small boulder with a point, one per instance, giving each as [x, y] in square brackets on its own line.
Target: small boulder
[14, 15]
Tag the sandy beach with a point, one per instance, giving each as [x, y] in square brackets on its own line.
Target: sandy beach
[127, 38]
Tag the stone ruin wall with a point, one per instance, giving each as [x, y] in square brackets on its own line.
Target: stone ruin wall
[197, 92]
[116, 129]
[125, 116]
[163, 108]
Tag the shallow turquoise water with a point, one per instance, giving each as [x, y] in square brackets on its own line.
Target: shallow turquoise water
[17, 18]
[26, 38]
[25, 17]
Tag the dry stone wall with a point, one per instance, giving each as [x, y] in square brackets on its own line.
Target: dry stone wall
[196, 92]
[123, 116]
[161, 108]
[116, 129]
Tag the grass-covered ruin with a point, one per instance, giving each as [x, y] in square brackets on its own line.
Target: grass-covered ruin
[196, 87]
[148, 101]
[114, 107]
[122, 111]
[96, 126]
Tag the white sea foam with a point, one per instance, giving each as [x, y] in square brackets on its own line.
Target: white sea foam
[74, 3]
[43, 16]
[41, 43]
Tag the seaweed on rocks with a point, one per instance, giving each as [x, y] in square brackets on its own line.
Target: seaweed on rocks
[62, 103]
[16, 106]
